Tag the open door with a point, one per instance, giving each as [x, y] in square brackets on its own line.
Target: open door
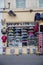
[41, 28]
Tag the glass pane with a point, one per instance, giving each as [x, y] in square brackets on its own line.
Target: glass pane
[1, 3]
[40, 3]
[20, 3]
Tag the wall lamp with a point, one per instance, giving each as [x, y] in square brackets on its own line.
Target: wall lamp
[31, 10]
[11, 13]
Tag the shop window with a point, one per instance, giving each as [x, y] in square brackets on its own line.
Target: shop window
[41, 3]
[20, 3]
[41, 28]
[23, 34]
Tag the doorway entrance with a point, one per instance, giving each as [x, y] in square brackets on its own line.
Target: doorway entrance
[41, 28]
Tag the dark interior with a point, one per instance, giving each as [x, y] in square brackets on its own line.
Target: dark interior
[24, 44]
[41, 28]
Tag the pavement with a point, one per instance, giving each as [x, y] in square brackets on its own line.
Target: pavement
[26, 59]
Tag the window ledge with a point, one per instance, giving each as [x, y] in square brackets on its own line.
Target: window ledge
[24, 10]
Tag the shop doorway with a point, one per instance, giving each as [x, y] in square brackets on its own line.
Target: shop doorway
[41, 28]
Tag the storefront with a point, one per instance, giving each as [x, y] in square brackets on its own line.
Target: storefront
[23, 27]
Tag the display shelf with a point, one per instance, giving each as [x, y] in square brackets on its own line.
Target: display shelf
[32, 38]
[21, 32]
[10, 33]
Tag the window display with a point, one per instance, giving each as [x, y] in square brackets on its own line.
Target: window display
[22, 34]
